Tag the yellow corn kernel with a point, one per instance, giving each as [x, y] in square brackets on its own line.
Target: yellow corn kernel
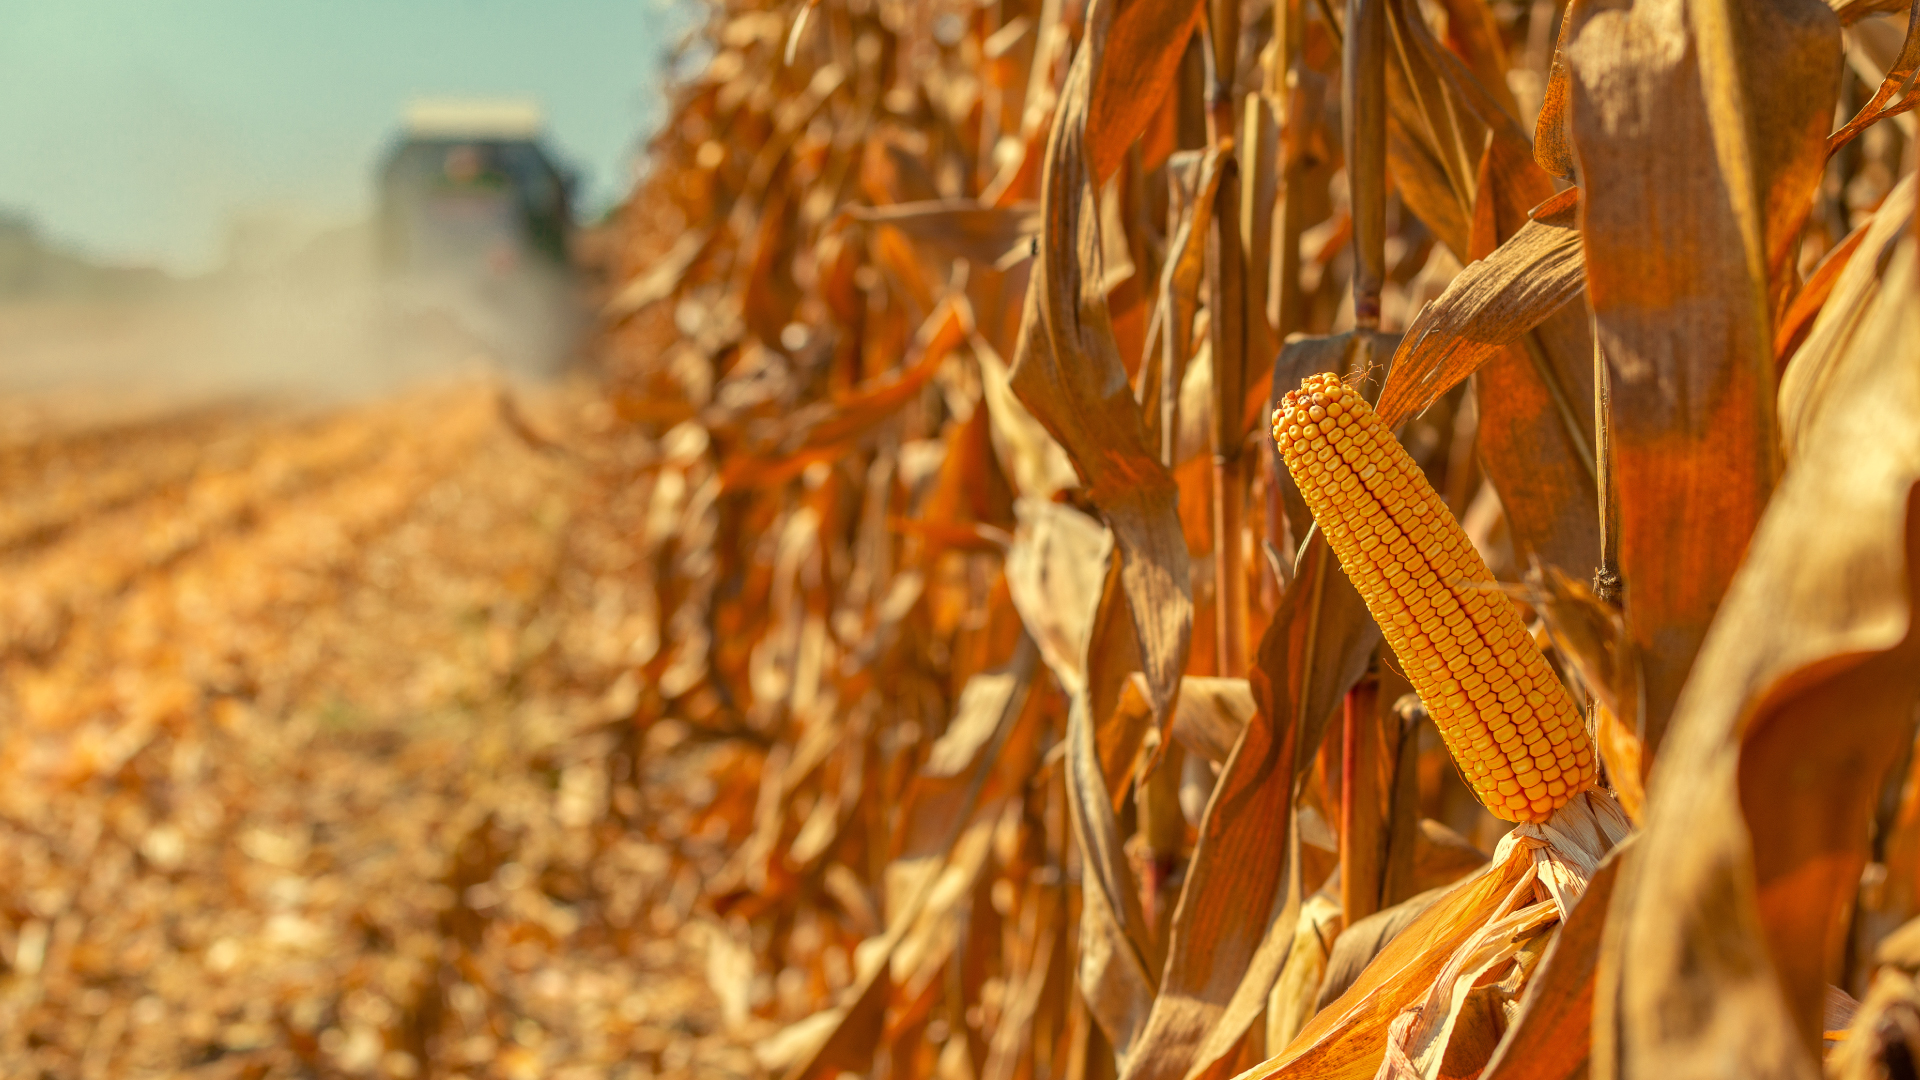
[1506, 718]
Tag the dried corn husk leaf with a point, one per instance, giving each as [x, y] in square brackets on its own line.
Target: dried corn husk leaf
[1407, 998]
[1451, 1033]
[1552, 1030]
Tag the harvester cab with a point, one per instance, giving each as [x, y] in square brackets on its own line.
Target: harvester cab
[474, 229]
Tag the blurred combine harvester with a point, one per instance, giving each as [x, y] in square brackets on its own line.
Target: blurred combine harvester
[474, 230]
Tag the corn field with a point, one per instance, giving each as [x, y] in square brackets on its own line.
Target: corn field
[1547, 710]
[1107, 540]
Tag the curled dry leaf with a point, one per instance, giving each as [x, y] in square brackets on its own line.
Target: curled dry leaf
[1552, 143]
[1486, 307]
[1895, 93]
[1068, 372]
[1551, 1031]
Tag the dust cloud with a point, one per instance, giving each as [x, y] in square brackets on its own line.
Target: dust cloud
[306, 319]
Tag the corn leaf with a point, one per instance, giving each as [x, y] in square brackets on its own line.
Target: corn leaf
[1068, 372]
[1239, 906]
[1678, 251]
[1732, 919]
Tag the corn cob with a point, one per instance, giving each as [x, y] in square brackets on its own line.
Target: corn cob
[1506, 718]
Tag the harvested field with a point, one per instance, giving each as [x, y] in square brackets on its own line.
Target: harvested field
[316, 752]
[1125, 540]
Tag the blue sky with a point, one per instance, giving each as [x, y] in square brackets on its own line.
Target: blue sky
[136, 129]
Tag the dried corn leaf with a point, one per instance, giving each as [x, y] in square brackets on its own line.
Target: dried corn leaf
[1194, 180]
[1552, 1028]
[1140, 43]
[1058, 570]
[1069, 374]
[1239, 906]
[1678, 251]
[1486, 307]
[1028, 455]
[1363, 939]
[1294, 998]
[1552, 142]
[1465, 167]
[1211, 714]
[1859, 286]
[660, 282]
[825, 433]
[959, 228]
[1730, 920]
[1895, 93]
[1113, 972]
[951, 814]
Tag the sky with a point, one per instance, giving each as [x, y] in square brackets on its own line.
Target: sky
[137, 130]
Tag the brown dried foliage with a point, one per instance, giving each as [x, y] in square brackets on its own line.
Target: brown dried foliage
[1033, 730]
[1100, 221]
